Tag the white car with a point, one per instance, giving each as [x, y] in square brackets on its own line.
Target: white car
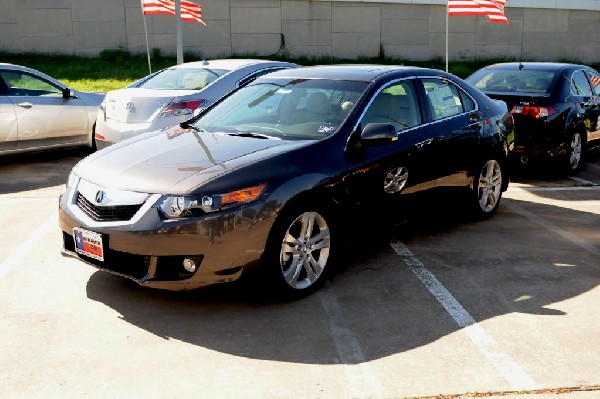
[173, 95]
[39, 113]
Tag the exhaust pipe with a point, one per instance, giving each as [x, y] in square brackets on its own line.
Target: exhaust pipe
[524, 159]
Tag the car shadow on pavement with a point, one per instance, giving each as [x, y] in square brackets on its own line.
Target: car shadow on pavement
[493, 268]
[33, 171]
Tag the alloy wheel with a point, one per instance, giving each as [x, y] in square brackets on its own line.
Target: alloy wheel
[395, 179]
[489, 188]
[576, 147]
[305, 250]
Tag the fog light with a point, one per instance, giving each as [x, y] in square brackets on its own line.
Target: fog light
[189, 265]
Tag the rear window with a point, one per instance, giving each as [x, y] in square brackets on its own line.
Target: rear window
[523, 81]
[183, 79]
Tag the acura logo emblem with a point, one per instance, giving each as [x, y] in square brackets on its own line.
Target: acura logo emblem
[100, 196]
[130, 107]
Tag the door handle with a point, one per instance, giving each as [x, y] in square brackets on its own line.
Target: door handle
[424, 143]
[25, 105]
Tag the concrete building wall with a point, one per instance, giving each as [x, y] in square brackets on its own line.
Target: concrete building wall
[408, 29]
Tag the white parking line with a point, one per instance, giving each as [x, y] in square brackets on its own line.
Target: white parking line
[516, 377]
[555, 229]
[576, 188]
[582, 181]
[361, 379]
[27, 246]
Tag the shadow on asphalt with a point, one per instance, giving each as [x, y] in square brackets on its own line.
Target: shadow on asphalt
[33, 171]
[493, 268]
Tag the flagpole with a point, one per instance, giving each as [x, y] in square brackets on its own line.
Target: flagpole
[147, 44]
[447, 12]
[179, 33]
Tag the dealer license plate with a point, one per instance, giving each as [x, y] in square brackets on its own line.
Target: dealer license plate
[88, 243]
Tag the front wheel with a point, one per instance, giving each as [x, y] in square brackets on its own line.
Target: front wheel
[487, 189]
[299, 252]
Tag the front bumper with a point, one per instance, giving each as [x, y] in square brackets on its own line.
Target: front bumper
[151, 250]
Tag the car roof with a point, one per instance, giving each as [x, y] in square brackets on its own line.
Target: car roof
[365, 73]
[542, 66]
[229, 64]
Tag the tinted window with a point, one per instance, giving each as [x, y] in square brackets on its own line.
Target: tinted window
[595, 81]
[396, 105]
[444, 98]
[296, 109]
[524, 80]
[183, 79]
[23, 84]
[580, 85]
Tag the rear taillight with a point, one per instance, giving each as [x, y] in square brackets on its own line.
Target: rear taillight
[536, 112]
[181, 108]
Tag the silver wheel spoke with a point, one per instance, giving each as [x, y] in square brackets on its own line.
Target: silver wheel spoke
[291, 276]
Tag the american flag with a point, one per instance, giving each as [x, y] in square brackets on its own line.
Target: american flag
[595, 80]
[190, 12]
[492, 9]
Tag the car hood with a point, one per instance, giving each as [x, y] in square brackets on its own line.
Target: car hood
[138, 105]
[176, 161]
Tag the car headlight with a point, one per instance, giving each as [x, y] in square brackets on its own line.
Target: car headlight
[72, 180]
[183, 206]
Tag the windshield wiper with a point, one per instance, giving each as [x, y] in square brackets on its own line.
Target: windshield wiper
[254, 135]
[187, 125]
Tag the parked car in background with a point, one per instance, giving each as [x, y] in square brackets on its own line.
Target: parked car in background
[279, 173]
[38, 112]
[556, 108]
[172, 95]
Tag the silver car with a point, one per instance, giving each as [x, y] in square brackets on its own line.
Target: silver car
[38, 112]
[173, 95]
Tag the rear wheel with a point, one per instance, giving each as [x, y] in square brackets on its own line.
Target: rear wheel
[299, 252]
[574, 157]
[487, 189]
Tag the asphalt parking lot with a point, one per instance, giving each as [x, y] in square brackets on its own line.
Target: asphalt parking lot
[438, 306]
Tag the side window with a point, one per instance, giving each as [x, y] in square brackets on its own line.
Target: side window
[595, 81]
[580, 85]
[446, 99]
[23, 84]
[397, 105]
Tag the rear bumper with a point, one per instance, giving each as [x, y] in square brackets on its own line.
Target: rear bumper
[109, 132]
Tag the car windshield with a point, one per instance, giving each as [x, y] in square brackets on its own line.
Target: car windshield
[502, 80]
[285, 109]
[183, 79]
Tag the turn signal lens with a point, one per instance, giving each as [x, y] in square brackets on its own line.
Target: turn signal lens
[181, 108]
[536, 112]
[243, 195]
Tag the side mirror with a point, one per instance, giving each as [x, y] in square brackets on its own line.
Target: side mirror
[378, 134]
[67, 93]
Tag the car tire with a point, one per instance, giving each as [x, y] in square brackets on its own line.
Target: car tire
[486, 190]
[300, 252]
[573, 160]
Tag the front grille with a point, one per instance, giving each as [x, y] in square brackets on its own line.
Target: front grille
[106, 213]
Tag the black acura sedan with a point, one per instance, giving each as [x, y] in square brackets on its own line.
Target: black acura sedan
[275, 175]
[556, 108]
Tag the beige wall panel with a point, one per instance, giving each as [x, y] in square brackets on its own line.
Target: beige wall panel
[407, 51]
[259, 44]
[255, 3]
[303, 33]
[584, 31]
[540, 20]
[356, 19]
[499, 34]
[580, 16]
[10, 37]
[8, 14]
[404, 32]
[302, 9]
[542, 46]
[210, 52]
[405, 11]
[51, 22]
[461, 46]
[165, 42]
[255, 20]
[96, 35]
[215, 9]
[457, 24]
[584, 52]
[502, 51]
[94, 10]
[42, 4]
[49, 44]
[352, 45]
[309, 51]
[217, 34]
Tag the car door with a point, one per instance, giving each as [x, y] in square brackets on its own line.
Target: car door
[457, 123]
[380, 174]
[584, 100]
[8, 121]
[44, 116]
[594, 78]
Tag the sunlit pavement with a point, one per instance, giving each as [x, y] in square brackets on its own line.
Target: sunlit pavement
[443, 306]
